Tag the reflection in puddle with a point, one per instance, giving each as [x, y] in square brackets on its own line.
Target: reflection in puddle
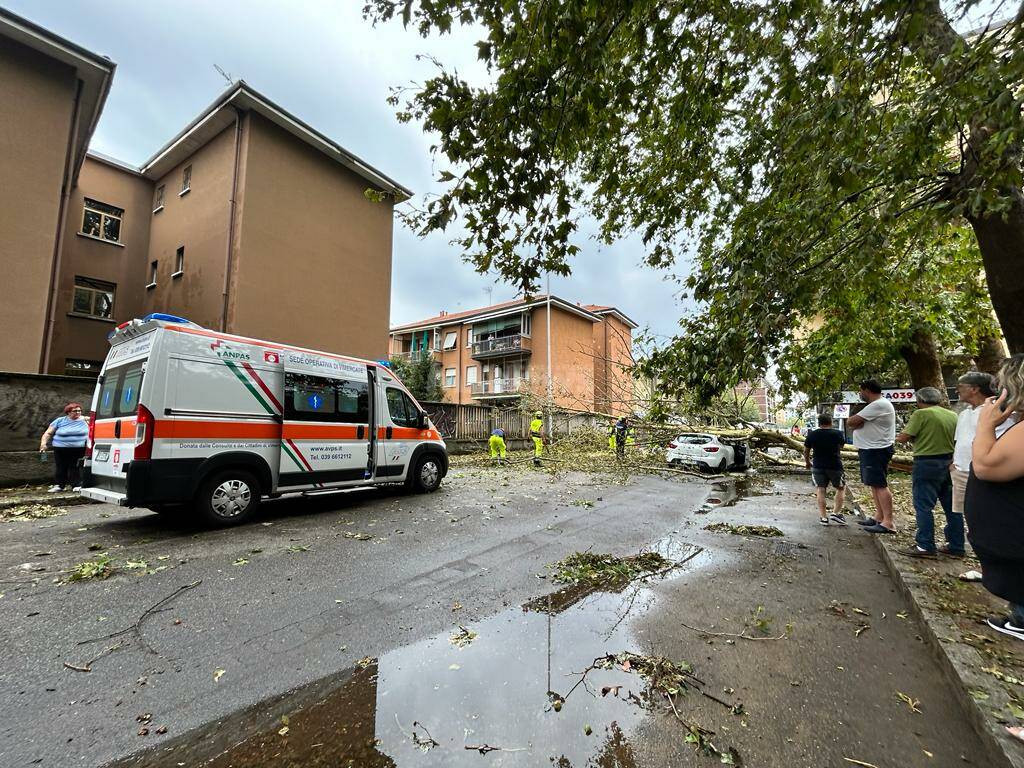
[511, 694]
[726, 493]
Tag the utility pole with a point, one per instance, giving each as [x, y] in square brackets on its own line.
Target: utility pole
[547, 276]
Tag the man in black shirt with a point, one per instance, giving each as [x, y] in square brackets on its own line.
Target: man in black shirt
[822, 457]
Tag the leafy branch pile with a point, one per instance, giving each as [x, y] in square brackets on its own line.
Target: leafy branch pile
[32, 511]
[604, 570]
[667, 679]
[766, 531]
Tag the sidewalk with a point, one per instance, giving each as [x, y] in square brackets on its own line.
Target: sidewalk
[986, 666]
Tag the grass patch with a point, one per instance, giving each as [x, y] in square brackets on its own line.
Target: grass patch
[766, 531]
[600, 570]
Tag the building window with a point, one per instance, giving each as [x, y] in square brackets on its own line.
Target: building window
[186, 180]
[527, 318]
[93, 298]
[158, 203]
[179, 262]
[470, 374]
[437, 340]
[87, 368]
[102, 221]
[152, 274]
[449, 377]
[451, 339]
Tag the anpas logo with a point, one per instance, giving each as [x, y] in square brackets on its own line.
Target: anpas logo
[226, 352]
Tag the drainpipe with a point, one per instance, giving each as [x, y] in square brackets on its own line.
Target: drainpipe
[231, 223]
[49, 319]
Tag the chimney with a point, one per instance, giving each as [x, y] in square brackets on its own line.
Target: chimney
[443, 313]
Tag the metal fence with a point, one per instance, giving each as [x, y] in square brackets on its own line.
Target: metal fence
[476, 422]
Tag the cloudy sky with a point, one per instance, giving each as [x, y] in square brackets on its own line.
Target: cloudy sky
[320, 60]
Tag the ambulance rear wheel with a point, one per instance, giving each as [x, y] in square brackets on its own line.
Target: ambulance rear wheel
[427, 475]
[229, 497]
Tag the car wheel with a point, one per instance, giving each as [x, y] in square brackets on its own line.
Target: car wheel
[228, 498]
[426, 478]
[724, 465]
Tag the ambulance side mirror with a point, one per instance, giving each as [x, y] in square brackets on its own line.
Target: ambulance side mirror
[421, 420]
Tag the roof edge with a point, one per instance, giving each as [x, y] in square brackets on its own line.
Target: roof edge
[488, 313]
[238, 93]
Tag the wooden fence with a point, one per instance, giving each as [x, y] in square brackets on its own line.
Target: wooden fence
[476, 422]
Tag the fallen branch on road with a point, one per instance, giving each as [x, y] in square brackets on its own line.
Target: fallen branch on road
[741, 635]
[134, 631]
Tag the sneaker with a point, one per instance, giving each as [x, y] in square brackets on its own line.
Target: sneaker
[878, 528]
[54, 489]
[1007, 627]
[970, 576]
[868, 521]
[951, 552]
[838, 518]
[823, 520]
[917, 552]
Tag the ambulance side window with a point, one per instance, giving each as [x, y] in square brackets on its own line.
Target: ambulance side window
[309, 398]
[353, 402]
[403, 412]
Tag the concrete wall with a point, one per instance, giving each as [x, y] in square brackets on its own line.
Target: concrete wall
[29, 402]
[38, 98]
[313, 264]
[122, 264]
[197, 220]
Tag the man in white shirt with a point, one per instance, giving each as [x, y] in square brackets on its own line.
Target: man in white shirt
[874, 435]
[973, 388]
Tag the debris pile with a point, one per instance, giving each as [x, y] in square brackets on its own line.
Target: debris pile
[605, 570]
[745, 530]
[32, 511]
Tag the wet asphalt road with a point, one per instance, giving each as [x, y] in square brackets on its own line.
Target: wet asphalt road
[290, 599]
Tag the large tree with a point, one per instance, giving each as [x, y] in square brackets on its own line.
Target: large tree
[788, 147]
[930, 308]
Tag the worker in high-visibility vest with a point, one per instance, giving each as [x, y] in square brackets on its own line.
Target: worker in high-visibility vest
[611, 437]
[497, 445]
[537, 433]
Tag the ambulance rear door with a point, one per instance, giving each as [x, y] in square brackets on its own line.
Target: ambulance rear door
[325, 437]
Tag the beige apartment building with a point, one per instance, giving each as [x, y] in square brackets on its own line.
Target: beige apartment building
[499, 353]
[248, 220]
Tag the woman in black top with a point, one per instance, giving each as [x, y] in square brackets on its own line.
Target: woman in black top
[994, 503]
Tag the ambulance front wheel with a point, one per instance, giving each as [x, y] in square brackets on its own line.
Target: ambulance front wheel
[229, 497]
[427, 475]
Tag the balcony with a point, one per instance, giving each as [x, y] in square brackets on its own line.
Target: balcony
[501, 346]
[414, 356]
[497, 388]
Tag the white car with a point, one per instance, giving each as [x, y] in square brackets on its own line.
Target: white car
[702, 449]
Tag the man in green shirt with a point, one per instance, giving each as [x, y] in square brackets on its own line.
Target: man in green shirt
[931, 428]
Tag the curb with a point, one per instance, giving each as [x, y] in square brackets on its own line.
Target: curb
[959, 662]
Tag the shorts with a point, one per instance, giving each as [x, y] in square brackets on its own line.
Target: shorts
[959, 478]
[822, 477]
[874, 466]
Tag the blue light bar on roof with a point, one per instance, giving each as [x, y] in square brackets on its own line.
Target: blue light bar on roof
[166, 318]
[385, 363]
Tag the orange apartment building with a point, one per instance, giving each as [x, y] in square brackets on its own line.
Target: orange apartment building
[497, 354]
[248, 220]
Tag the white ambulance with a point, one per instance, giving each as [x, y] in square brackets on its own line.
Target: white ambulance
[187, 417]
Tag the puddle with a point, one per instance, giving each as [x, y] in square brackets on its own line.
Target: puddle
[436, 704]
[728, 492]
